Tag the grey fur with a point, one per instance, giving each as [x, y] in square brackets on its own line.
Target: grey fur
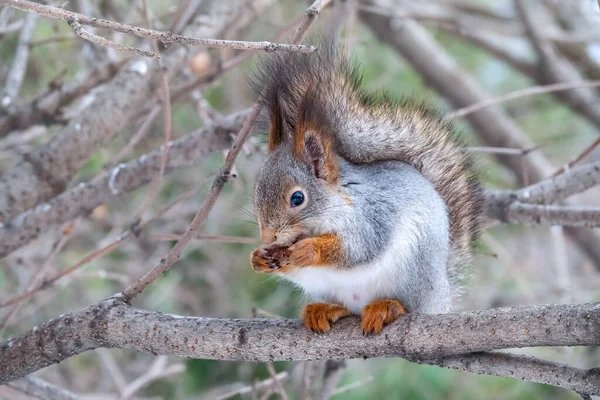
[386, 200]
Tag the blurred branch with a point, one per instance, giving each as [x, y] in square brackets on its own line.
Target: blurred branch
[123, 178]
[586, 152]
[113, 323]
[267, 383]
[332, 373]
[492, 125]
[277, 385]
[45, 108]
[552, 190]
[576, 216]
[43, 173]
[352, 386]
[556, 87]
[521, 367]
[16, 74]
[158, 370]
[166, 106]
[552, 67]
[164, 37]
[41, 389]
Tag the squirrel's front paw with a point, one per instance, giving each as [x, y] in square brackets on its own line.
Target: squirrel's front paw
[302, 254]
[268, 259]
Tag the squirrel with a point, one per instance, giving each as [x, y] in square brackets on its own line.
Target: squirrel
[368, 204]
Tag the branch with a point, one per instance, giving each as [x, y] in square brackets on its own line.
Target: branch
[46, 107]
[99, 40]
[267, 383]
[556, 87]
[114, 324]
[492, 125]
[546, 192]
[219, 182]
[552, 67]
[123, 178]
[524, 368]
[43, 173]
[332, 373]
[585, 217]
[41, 389]
[551, 190]
[19, 66]
[440, 71]
[164, 37]
[310, 16]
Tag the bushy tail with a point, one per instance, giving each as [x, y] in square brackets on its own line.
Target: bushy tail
[323, 91]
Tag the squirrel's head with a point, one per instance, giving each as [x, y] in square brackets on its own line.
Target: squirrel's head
[297, 183]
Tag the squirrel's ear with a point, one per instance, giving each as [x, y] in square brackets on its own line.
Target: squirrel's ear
[317, 153]
[276, 123]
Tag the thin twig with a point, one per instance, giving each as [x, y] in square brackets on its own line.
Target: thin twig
[35, 279]
[165, 37]
[157, 182]
[555, 87]
[48, 282]
[267, 383]
[41, 389]
[104, 42]
[55, 39]
[276, 382]
[580, 157]
[502, 150]
[205, 238]
[352, 386]
[222, 177]
[332, 373]
[175, 252]
[158, 370]
[310, 16]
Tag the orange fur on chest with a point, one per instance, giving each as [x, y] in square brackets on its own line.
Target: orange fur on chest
[327, 249]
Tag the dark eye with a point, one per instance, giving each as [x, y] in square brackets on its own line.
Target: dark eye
[297, 199]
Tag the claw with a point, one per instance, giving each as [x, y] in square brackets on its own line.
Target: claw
[272, 265]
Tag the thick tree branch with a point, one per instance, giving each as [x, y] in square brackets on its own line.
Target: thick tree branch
[165, 37]
[114, 324]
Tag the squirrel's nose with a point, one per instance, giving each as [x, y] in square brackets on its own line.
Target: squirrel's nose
[268, 235]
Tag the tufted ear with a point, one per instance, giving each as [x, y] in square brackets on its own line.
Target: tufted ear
[316, 151]
[276, 133]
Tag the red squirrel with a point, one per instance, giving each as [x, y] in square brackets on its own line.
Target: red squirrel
[367, 203]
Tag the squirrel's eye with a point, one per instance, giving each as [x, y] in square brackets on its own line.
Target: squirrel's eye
[297, 199]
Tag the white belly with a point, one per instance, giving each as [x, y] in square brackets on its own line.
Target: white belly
[354, 288]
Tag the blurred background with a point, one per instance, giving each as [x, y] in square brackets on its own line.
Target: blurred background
[495, 52]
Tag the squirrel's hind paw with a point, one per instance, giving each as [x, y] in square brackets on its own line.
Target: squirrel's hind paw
[378, 313]
[318, 317]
